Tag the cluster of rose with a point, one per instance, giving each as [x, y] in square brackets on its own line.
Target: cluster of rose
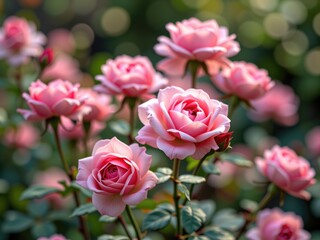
[183, 123]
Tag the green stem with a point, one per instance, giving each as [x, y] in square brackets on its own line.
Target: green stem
[176, 196]
[272, 190]
[194, 71]
[83, 227]
[235, 102]
[86, 126]
[125, 227]
[134, 222]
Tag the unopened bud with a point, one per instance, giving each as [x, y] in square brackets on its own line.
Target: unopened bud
[223, 141]
[46, 58]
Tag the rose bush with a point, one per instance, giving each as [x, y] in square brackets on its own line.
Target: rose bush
[182, 123]
[130, 76]
[274, 224]
[287, 170]
[193, 39]
[117, 174]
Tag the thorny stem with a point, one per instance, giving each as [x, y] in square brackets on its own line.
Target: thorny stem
[134, 222]
[125, 227]
[176, 196]
[272, 190]
[83, 227]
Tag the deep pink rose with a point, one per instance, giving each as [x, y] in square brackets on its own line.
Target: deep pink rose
[313, 141]
[100, 107]
[19, 41]
[274, 224]
[290, 172]
[192, 39]
[279, 104]
[117, 174]
[182, 123]
[244, 80]
[53, 237]
[58, 98]
[130, 76]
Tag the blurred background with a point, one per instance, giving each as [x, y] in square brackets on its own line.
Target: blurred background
[281, 36]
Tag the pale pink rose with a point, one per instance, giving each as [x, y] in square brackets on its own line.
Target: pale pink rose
[63, 67]
[117, 174]
[69, 130]
[61, 40]
[19, 41]
[51, 178]
[58, 98]
[53, 237]
[23, 136]
[313, 141]
[99, 104]
[244, 80]
[130, 76]
[279, 104]
[182, 123]
[274, 224]
[290, 172]
[192, 39]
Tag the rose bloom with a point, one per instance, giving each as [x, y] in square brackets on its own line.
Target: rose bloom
[51, 178]
[274, 224]
[130, 76]
[23, 136]
[19, 41]
[313, 141]
[279, 104]
[290, 172]
[99, 104]
[192, 39]
[62, 67]
[182, 123]
[117, 174]
[58, 98]
[244, 80]
[53, 237]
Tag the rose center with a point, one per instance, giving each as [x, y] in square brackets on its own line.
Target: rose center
[192, 110]
[285, 233]
[112, 172]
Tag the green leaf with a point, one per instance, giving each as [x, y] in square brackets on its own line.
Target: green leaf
[192, 218]
[236, 159]
[111, 237]
[156, 220]
[183, 189]
[216, 233]
[45, 229]
[163, 174]
[16, 222]
[210, 168]
[86, 192]
[228, 219]
[120, 126]
[188, 178]
[83, 209]
[107, 219]
[200, 237]
[166, 207]
[38, 208]
[207, 206]
[37, 191]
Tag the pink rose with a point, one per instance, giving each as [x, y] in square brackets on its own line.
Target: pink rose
[130, 76]
[182, 123]
[288, 171]
[99, 104]
[23, 136]
[58, 98]
[19, 41]
[280, 104]
[63, 67]
[313, 141]
[53, 237]
[274, 224]
[117, 174]
[192, 39]
[244, 80]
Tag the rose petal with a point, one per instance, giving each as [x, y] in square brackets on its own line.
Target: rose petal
[176, 149]
[111, 205]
